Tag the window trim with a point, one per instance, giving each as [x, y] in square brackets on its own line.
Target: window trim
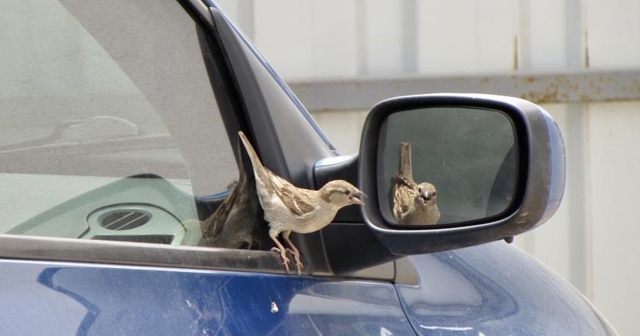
[137, 254]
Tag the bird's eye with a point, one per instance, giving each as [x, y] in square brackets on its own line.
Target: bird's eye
[347, 192]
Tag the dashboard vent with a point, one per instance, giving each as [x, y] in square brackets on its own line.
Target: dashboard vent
[124, 219]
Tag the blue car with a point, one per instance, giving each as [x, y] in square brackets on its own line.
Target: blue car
[129, 205]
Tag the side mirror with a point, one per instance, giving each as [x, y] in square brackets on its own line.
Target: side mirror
[451, 170]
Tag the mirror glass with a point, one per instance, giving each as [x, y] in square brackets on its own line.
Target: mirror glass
[446, 165]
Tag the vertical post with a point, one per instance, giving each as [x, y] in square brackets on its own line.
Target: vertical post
[410, 36]
[361, 38]
[522, 61]
[522, 42]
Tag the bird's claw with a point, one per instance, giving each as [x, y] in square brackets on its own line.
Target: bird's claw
[299, 265]
[286, 260]
[283, 255]
[296, 256]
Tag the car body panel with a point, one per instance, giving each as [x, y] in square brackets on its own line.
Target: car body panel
[483, 290]
[495, 289]
[44, 298]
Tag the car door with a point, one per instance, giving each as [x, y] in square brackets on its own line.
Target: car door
[118, 146]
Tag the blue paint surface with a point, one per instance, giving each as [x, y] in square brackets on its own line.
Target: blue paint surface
[66, 299]
[492, 289]
[495, 289]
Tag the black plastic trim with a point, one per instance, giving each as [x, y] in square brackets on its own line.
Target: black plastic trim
[139, 254]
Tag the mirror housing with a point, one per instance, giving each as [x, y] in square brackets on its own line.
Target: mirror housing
[536, 191]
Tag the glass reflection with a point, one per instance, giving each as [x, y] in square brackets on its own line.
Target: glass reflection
[446, 165]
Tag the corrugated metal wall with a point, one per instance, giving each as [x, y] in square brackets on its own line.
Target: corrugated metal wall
[592, 240]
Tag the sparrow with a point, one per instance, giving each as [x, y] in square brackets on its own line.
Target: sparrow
[288, 208]
[233, 224]
[413, 203]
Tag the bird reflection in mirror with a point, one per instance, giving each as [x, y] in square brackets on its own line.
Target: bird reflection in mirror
[413, 203]
[288, 208]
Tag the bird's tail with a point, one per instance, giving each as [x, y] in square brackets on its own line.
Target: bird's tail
[255, 160]
[406, 168]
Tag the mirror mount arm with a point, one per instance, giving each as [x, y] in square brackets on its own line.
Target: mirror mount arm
[349, 244]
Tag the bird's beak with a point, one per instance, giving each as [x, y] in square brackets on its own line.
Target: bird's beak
[356, 198]
[426, 196]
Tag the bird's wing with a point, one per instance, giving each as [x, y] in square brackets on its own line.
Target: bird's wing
[296, 199]
[397, 204]
[403, 193]
[406, 181]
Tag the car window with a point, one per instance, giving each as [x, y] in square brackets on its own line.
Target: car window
[110, 128]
